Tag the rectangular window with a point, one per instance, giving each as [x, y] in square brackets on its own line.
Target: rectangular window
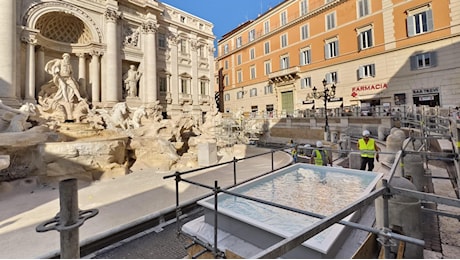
[366, 71]
[363, 8]
[304, 32]
[305, 82]
[419, 21]
[183, 86]
[266, 27]
[203, 87]
[268, 67]
[284, 40]
[238, 42]
[365, 39]
[253, 72]
[226, 64]
[239, 74]
[283, 19]
[227, 97]
[239, 94]
[284, 62]
[305, 56]
[252, 35]
[252, 53]
[201, 51]
[238, 59]
[183, 46]
[253, 92]
[163, 85]
[268, 89]
[303, 7]
[266, 47]
[225, 48]
[332, 77]
[423, 60]
[331, 48]
[330, 21]
[162, 40]
[227, 81]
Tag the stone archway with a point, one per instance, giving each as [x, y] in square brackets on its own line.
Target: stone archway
[64, 28]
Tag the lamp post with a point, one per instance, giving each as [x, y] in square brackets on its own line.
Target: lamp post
[325, 94]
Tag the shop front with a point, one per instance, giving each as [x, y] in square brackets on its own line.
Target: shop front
[426, 97]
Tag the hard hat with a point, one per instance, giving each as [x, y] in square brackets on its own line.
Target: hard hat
[319, 144]
[366, 133]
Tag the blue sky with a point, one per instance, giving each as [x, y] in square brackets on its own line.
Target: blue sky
[225, 15]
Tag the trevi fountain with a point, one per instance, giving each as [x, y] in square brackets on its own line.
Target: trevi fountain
[64, 136]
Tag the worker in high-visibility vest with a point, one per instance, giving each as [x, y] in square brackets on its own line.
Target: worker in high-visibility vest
[320, 156]
[294, 154]
[369, 149]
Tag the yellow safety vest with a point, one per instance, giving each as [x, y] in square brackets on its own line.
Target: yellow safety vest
[319, 158]
[367, 150]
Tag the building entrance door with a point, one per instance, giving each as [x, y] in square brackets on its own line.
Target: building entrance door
[287, 102]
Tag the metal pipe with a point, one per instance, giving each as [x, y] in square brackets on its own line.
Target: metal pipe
[216, 192]
[234, 170]
[70, 248]
[273, 161]
[386, 218]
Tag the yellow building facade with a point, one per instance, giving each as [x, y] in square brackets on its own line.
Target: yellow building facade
[383, 53]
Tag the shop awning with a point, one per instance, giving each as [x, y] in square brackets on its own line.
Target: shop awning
[330, 105]
[308, 104]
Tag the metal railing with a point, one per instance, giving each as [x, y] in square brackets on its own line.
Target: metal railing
[430, 126]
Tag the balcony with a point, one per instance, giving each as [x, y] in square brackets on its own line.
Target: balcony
[204, 99]
[185, 98]
[284, 76]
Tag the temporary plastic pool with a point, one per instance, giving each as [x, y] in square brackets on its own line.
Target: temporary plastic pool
[321, 190]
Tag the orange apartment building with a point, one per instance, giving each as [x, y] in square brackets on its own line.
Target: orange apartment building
[375, 52]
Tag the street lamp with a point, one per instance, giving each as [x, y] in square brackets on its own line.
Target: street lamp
[325, 94]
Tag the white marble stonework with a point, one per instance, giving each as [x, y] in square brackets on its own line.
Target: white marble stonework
[172, 49]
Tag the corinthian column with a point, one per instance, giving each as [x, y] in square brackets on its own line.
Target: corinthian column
[150, 58]
[95, 76]
[31, 41]
[8, 52]
[82, 73]
[112, 89]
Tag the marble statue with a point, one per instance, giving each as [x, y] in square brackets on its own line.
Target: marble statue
[135, 121]
[117, 117]
[15, 120]
[61, 70]
[60, 99]
[131, 77]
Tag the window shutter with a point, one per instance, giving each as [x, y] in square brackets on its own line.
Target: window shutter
[326, 53]
[433, 59]
[413, 62]
[329, 78]
[302, 59]
[302, 83]
[410, 26]
[371, 41]
[308, 57]
[360, 72]
[373, 70]
[360, 36]
[336, 46]
[429, 20]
